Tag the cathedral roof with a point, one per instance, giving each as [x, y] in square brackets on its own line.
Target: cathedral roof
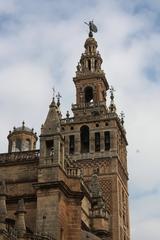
[89, 236]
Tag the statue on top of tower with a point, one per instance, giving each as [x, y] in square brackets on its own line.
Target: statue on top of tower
[92, 28]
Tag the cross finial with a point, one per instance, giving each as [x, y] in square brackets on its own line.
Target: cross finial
[53, 89]
[67, 114]
[58, 96]
[23, 124]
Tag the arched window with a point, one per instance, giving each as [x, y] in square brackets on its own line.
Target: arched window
[89, 64]
[97, 142]
[88, 92]
[107, 140]
[95, 64]
[71, 144]
[18, 145]
[84, 139]
[27, 146]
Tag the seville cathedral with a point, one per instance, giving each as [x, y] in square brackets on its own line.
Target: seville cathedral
[75, 186]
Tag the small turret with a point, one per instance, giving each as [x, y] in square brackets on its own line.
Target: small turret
[20, 218]
[22, 139]
[90, 80]
[52, 123]
[91, 60]
[51, 140]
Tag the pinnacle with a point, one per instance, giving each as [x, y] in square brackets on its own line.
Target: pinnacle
[20, 206]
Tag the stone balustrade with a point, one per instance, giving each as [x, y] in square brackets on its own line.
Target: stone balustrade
[19, 156]
[73, 172]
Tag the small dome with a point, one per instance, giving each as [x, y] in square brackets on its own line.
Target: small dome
[22, 139]
[89, 236]
[23, 128]
[27, 129]
[90, 41]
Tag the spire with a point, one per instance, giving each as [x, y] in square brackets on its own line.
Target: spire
[58, 96]
[21, 206]
[20, 218]
[112, 106]
[3, 209]
[52, 123]
[53, 99]
[23, 125]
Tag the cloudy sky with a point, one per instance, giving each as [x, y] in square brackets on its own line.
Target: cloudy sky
[40, 44]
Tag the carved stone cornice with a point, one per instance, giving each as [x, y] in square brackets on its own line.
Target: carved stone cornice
[59, 185]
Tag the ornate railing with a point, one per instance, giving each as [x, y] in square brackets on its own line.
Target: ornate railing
[67, 120]
[19, 156]
[73, 172]
[90, 104]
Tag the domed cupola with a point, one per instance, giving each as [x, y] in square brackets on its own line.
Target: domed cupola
[91, 45]
[22, 139]
[91, 60]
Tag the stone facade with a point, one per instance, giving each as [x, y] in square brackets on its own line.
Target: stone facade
[75, 186]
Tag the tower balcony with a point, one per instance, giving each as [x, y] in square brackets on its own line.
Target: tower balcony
[88, 105]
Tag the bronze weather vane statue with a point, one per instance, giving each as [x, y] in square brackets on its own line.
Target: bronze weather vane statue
[92, 28]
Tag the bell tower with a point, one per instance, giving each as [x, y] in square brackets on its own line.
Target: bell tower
[95, 138]
[90, 82]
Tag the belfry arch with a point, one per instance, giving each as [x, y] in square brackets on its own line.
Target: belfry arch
[84, 135]
[88, 93]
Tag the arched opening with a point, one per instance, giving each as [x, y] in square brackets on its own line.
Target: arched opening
[107, 140]
[71, 144]
[84, 131]
[95, 64]
[18, 145]
[97, 142]
[27, 146]
[88, 92]
[89, 65]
